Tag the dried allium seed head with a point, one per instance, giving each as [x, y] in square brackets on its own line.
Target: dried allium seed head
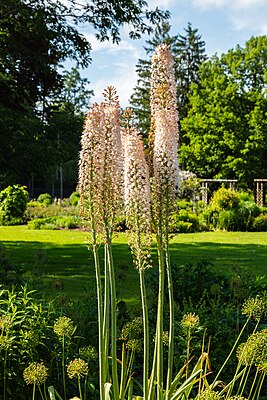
[164, 117]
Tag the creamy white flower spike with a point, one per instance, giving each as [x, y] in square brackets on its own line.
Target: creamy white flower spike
[164, 117]
[136, 194]
[136, 178]
[100, 164]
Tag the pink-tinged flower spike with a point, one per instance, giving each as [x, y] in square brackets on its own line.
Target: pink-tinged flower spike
[136, 191]
[164, 116]
[100, 165]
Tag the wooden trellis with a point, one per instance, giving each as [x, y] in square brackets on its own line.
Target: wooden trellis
[260, 191]
[205, 186]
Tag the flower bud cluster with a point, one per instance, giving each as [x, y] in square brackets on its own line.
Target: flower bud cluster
[164, 117]
[254, 350]
[136, 193]
[35, 374]
[100, 165]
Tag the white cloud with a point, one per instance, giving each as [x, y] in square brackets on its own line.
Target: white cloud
[230, 4]
[165, 4]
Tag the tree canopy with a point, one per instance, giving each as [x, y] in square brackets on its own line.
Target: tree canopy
[226, 125]
[37, 101]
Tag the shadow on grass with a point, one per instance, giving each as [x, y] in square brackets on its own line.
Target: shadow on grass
[69, 268]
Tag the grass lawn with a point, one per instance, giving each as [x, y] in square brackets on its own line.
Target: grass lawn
[67, 260]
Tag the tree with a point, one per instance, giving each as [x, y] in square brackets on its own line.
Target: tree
[188, 53]
[226, 124]
[36, 37]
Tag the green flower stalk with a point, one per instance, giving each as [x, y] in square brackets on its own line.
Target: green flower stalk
[64, 328]
[138, 214]
[36, 374]
[100, 187]
[164, 119]
[77, 368]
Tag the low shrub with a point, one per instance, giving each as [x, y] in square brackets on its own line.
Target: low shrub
[68, 222]
[13, 204]
[184, 222]
[230, 211]
[45, 198]
[74, 199]
[260, 223]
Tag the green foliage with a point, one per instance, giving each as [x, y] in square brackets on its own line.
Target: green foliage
[13, 204]
[231, 211]
[74, 198]
[225, 127]
[10, 275]
[225, 199]
[260, 223]
[60, 222]
[184, 221]
[45, 198]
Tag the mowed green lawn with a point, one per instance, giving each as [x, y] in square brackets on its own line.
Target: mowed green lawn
[68, 261]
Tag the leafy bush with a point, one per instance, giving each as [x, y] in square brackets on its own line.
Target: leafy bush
[45, 198]
[69, 222]
[33, 330]
[260, 223]
[225, 199]
[13, 204]
[74, 199]
[231, 211]
[184, 222]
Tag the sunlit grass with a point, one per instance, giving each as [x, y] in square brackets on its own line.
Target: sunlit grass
[67, 265]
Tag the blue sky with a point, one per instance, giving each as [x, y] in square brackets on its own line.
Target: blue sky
[222, 23]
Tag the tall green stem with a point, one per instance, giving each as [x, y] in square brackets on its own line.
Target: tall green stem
[63, 368]
[159, 367]
[102, 368]
[146, 332]
[113, 319]
[106, 317]
[171, 301]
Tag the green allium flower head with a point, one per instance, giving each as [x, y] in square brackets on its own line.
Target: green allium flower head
[5, 322]
[35, 373]
[64, 327]
[208, 395]
[77, 368]
[134, 345]
[254, 350]
[5, 342]
[255, 307]
[88, 352]
[190, 321]
[133, 329]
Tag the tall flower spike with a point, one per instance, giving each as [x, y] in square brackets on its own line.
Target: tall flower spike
[164, 117]
[136, 185]
[100, 165]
